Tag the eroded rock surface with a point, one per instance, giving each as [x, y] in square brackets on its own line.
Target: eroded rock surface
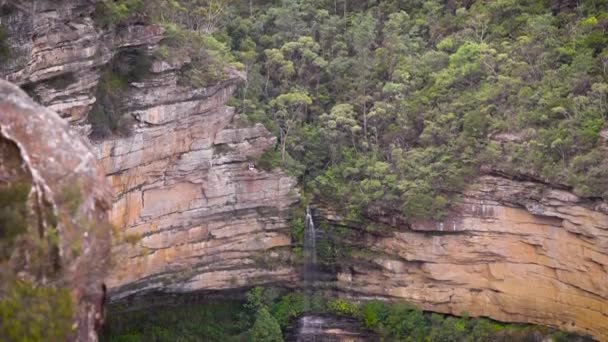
[64, 242]
[57, 51]
[513, 251]
[189, 212]
[192, 216]
[198, 217]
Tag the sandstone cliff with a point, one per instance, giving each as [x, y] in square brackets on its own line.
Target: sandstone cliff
[191, 216]
[514, 251]
[56, 247]
[183, 190]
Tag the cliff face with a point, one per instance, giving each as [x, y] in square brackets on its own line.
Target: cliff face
[511, 250]
[192, 216]
[56, 51]
[190, 213]
[56, 244]
[184, 191]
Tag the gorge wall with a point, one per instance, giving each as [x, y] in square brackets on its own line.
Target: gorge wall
[202, 220]
[192, 216]
[190, 213]
[510, 250]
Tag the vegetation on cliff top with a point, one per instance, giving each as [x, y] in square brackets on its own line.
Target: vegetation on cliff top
[392, 106]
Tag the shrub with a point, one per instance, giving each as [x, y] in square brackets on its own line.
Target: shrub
[450, 329]
[106, 117]
[35, 313]
[483, 329]
[343, 307]
[289, 307]
[405, 320]
[374, 313]
[110, 13]
[209, 57]
[265, 328]
[269, 160]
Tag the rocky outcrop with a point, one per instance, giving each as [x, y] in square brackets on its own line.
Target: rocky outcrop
[191, 216]
[513, 251]
[60, 239]
[189, 212]
[197, 216]
[56, 51]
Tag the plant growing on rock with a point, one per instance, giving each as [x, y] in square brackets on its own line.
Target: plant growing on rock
[265, 328]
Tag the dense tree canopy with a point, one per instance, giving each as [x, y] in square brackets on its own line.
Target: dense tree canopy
[393, 106]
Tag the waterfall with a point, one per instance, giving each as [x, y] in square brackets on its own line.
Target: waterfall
[315, 327]
[310, 250]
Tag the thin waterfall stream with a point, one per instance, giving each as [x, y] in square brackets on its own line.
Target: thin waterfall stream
[310, 252]
[320, 327]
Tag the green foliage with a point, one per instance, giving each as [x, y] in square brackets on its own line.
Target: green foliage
[404, 322]
[289, 307]
[113, 13]
[373, 313]
[35, 313]
[265, 328]
[5, 50]
[447, 329]
[13, 214]
[210, 321]
[255, 299]
[343, 307]
[266, 312]
[209, 57]
[269, 160]
[392, 107]
[188, 27]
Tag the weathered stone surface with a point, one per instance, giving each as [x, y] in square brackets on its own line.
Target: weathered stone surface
[68, 202]
[201, 218]
[193, 214]
[56, 50]
[513, 251]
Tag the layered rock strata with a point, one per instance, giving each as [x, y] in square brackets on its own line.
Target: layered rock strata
[56, 51]
[197, 216]
[513, 251]
[189, 212]
[192, 216]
